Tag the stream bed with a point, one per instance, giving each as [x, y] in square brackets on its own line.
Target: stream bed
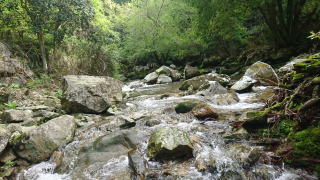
[114, 147]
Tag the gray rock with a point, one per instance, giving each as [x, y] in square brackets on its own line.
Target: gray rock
[4, 137]
[190, 72]
[4, 51]
[244, 84]
[40, 142]
[202, 82]
[90, 94]
[169, 143]
[115, 146]
[164, 70]
[245, 154]
[163, 79]
[213, 89]
[16, 116]
[151, 78]
[259, 72]
[225, 99]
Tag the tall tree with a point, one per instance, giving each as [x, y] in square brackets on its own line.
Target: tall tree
[55, 18]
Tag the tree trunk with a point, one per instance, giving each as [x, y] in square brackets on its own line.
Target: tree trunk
[43, 51]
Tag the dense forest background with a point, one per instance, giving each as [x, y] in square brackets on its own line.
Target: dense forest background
[113, 37]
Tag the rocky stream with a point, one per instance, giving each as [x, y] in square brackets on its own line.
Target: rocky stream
[116, 147]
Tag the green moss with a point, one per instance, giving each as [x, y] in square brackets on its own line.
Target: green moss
[17, 139]
[306, 143]
[204, 71]
[316, 80]
[256, 120]
[298, 76]
[185, 107]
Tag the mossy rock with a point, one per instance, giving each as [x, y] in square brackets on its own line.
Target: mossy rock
[306, 148]
[185, 107]
[168, 143]
[256, 120]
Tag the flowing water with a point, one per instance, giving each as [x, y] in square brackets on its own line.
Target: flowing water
[100, 148]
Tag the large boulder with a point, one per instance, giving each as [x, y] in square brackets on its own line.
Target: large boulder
[4, 137]
[259, 72]
[151, 78]
[90, 94]
[119, 146]
[38, 143]
[163, 79]
[169, 143]
[16, 116]
[203, 82]
[190, 72]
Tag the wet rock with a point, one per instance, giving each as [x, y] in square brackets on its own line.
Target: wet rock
[244, 84]
[4, 137]
[137, 165]
[202, 82]
[238, 135]
[225, 99]
[255, 120]
[245, 154]
[151, 78]
[112, 149]
[153, 122]
[37, 144]
[169, 143]
[16, 116]
[185, 107]
[213, 89]
[230, 174]
[190, 72]
[90, 94]
[205, 160]
[163, 79]
[4, 51]
[204, 112]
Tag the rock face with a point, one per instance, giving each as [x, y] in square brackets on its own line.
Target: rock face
[169, 143]
[202, 82]
[16, 116]
[163, 79]
[259, 72]
[190, 72]
[11, 70]
[90, 94]
[38, 144]
[4, 137]
[151, 78]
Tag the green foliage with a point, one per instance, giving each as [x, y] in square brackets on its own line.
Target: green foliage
[306, 143]
[9, 163]
[315, 35]
[14, 86]
[59, 94]
[44, 81]
[11, 105]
